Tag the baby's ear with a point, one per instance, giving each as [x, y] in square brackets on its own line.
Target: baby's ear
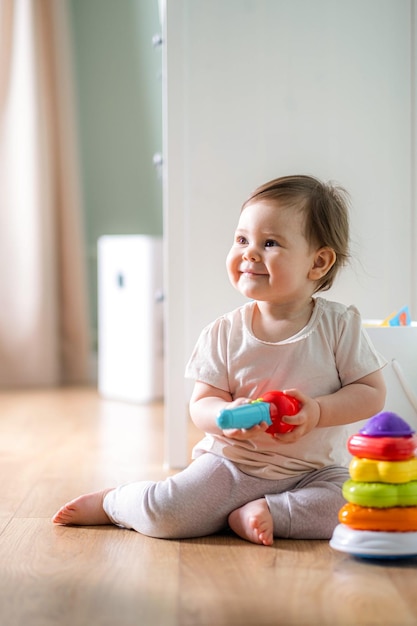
[324, 259]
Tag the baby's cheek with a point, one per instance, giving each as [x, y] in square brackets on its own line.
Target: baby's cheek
[232, 270]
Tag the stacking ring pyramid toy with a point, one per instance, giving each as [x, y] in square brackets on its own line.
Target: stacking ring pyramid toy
[380, 517]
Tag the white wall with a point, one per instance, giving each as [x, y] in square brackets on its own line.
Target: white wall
[257, 89]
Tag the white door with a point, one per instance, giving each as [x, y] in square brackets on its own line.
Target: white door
[256, 89]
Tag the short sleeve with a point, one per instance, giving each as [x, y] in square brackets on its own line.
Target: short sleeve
[209, 360]
[355, 354]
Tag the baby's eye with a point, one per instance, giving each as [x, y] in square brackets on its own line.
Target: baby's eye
[240, 239]
[269, 243]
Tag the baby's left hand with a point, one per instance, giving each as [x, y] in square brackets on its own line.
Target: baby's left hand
[305, 420]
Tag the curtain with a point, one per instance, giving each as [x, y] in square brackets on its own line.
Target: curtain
[43, 305]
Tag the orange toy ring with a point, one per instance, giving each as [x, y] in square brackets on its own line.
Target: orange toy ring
[396, 519]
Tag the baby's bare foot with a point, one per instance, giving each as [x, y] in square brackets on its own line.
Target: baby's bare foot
[85, 510]
[253, 522]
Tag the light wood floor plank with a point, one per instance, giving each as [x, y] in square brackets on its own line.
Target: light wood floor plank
[88, 576]
[57, 444]
[226, 582]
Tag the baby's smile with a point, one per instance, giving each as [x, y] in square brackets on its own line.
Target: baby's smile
[248, 270]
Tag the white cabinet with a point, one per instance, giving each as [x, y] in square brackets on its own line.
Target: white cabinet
[256, 89]
[398, 344]
[130, 364]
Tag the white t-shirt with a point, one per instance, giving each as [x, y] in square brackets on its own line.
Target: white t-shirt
[331, 351]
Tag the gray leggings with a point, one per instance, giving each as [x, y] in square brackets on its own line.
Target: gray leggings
[197, 501]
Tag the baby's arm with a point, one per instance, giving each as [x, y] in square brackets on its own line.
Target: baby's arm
[352, 403]
[358, 401]
[205, 405]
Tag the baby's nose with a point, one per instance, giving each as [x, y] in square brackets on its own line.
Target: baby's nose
[251, 253]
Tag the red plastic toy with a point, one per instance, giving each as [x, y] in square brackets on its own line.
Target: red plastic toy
[382, 448]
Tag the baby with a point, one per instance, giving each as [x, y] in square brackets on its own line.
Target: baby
[291, 240]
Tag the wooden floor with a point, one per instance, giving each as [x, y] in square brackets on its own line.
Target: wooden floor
[56, 445]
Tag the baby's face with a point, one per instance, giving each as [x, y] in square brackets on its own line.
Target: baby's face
[270, 258]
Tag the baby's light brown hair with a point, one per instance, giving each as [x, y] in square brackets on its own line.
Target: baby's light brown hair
[325, 207]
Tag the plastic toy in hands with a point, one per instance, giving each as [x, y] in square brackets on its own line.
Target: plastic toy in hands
[380, 517]
[271, 408]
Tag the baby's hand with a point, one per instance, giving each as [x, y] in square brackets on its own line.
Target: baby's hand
[305, 420]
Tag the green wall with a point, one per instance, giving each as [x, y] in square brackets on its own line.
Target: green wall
[118, 87]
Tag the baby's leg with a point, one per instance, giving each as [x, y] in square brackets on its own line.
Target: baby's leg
[304, 510]
[310, 510]
[85, 510]
[192, 503]
[253, 522]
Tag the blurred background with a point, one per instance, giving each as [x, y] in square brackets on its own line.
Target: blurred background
[231, 93]
[159, 118]
[118, 80]
[81, 123]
